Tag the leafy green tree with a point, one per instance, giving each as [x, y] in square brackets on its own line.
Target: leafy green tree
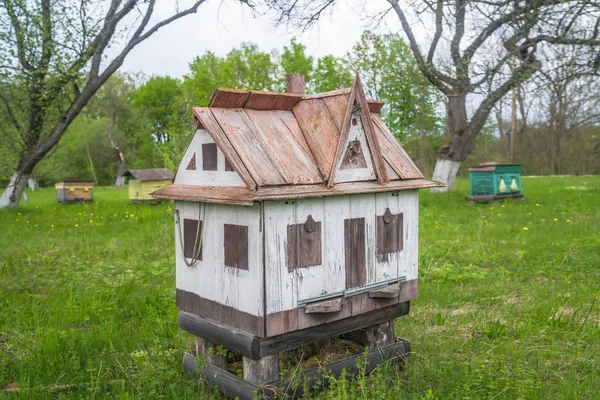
[54, 53]
[390, 73]
[246, 67]
[294, 60]
[331, 74]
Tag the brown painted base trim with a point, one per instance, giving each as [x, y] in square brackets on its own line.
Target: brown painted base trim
[192, 303]
[289, 320]
[313, 379]
[296, 319]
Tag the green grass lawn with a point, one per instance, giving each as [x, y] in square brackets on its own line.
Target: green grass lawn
[508, 300]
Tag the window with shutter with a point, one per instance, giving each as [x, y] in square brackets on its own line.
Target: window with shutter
[389, 232]
[209, 157]
[192, 239]
[304, 244]
[235, 243]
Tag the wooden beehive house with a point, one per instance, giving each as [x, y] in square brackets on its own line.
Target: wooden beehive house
[143, 182]
[493, 181]
[74, 191]
[296, 219]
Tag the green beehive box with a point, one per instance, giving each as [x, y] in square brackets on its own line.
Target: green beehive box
[495, 179]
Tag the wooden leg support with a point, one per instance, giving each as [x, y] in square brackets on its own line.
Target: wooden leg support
[263, 370]
[374, 336]
[208, 350]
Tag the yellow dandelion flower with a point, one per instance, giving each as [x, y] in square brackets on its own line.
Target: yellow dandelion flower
[76, 225]
[502, 205]
[568, 221]
[543, 220]
[499, 215]
[18, 213]
[537, 204]
[127, 216]
[131, 215]
[491, 208]
[26, 222]
[91, 220]
[529, 213]
[52, 226]
[555, 219]
[525, 228]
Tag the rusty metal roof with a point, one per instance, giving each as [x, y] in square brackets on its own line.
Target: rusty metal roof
[279, 142]
[152, 174]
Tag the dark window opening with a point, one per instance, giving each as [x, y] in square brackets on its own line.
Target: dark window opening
[389, 232]
[236, 246]
[228, 166]
[192, 239]
[209, 157]
[304, 244]
[192, 164]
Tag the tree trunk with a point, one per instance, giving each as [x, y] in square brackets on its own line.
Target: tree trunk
[14, 191]
[120, 181]
[462, 137]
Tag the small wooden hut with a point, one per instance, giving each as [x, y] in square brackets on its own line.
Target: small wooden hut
[74, 191]
[296, 220]
[143, 182]
[492, 181]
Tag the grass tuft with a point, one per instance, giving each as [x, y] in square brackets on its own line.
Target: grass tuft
[87, 301]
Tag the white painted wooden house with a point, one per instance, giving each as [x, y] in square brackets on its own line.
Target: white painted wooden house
[294, 210]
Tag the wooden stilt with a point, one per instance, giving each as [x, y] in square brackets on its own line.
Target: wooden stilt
[208, 350]
[263, 370]
[373, 336]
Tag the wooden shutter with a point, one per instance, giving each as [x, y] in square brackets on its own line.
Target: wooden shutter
[304, 244]
[209, 157]
[354, 250]
[192, 234]
[235, 243]
[389, 233]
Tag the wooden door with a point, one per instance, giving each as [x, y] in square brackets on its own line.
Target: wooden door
[354, 246]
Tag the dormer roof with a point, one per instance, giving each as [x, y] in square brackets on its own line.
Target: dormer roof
[286, 145]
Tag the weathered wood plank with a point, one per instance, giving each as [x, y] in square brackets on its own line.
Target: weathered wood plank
[209, 194]
[229, 98]
[375, 106]
[229, 337]
[320, 132]
[303, 191]
[327, 94]
[271, 101]
[250, 146]
[336, 105]
[263, 370]
[393, 153]
[387, 292]
[275, 344]
[291, 160]
[209, 122]
[324, 307]
[232, 385]
[355, 253]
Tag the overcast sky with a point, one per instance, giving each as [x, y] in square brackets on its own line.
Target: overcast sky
[220, 26]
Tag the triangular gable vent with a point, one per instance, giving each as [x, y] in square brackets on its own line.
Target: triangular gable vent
[192, 164]
[358, 157]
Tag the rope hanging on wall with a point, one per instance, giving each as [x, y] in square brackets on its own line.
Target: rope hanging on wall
[199, 235]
